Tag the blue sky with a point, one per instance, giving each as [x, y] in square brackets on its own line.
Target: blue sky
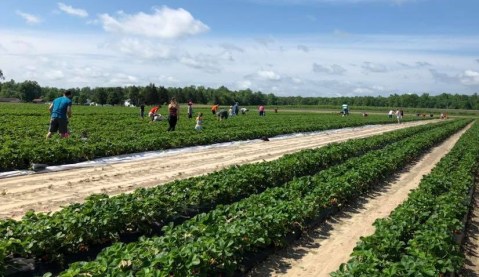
[287, 47]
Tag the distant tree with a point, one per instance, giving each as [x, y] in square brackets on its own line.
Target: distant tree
[50, 93]
[163, 95]
[29, 90]
[9, 89]
[133, 93]
[1, 75]
[100, 95]
[85, 95]
[115, 96]
[150, 94]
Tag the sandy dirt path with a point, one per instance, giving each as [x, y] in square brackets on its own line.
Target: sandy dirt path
[49, 191]
[330, 243]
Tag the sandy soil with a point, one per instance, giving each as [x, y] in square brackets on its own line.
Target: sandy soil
[328, 245]
[50, 191]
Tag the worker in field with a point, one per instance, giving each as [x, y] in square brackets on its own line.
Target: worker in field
[154, 112]
[399, 116]
[261, 110]
[173, 114]
[190, 109]
[60, 111]
[142, 110]
[222, 114]
[345, 109]
[215, 109]
[236, 108]
[199, 122]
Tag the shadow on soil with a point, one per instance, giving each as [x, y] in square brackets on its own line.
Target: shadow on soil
[280, 261]
[471, 247]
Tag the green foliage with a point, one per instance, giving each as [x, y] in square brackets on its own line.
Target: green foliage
[102, 219]
[419, 237]
[217, 242]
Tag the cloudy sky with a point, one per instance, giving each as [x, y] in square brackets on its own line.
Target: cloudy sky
[287, 47]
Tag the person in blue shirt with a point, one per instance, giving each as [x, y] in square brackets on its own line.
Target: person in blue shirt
[61, 111]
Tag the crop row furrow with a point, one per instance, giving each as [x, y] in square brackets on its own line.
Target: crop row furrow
[102, 219]
[419, 237]
[218, 242]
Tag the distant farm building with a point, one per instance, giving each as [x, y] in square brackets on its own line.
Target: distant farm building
[38, 101]
[10, 100]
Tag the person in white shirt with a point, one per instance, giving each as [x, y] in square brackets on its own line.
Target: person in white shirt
[390, 114]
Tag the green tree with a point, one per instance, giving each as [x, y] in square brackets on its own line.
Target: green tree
[29, 90]
[133, 93]
[163, 95]
[115, 96]
[100, 95]
[85, 95]
[150, 94]
[9, 89]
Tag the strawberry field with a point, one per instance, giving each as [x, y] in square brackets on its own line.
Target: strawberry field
[222, 223]
[119, 130]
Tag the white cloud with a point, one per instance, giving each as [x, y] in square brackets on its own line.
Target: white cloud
[469, 78]
[123, 79]
[163, 23]
[231, 47]
[333, 69]
[54, 75]
[29, 18]
[374, 67]
[268, 75]
[78, 60]
[207, 63]
[415, 65]
[297, 80]
[72, 11]
[303, 48]
[266, 41]
[168, 79]
[443, 77]
[244, 84]
[143, 49]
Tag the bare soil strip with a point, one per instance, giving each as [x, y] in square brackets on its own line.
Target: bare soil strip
[329, 244]
[50, 191]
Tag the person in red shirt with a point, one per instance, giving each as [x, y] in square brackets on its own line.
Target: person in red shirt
[153, 112]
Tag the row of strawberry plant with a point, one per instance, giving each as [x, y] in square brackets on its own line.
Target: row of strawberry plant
[418, 239]
[218, 241]
[101, 219]
[115, 131]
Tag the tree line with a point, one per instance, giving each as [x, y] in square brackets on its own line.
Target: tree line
[152, 94]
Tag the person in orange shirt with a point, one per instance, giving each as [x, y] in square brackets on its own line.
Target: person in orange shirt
[153, 112]
[214, 108]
